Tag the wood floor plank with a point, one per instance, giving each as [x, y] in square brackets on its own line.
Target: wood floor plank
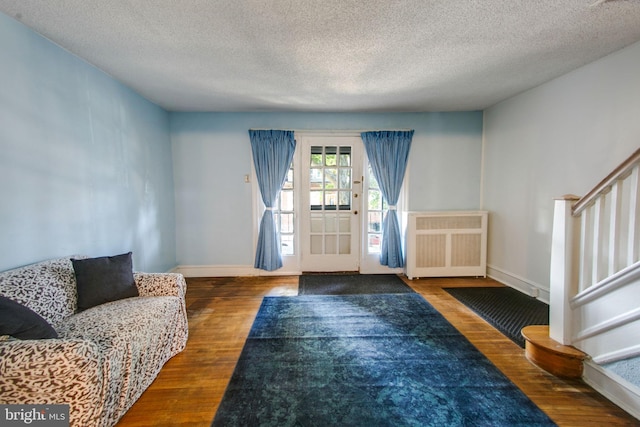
[189, 388]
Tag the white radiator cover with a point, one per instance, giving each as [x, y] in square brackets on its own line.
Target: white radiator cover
[446, 244]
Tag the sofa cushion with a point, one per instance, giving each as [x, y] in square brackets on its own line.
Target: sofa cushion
[104, 279]
[23, 323]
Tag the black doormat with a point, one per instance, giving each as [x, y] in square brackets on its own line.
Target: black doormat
[351, 284]
[506, 309]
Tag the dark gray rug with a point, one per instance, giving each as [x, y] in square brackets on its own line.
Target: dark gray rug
[506, 309]
[351, 284]
[366, 360]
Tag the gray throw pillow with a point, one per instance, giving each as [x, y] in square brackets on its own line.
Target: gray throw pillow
[104, 279]
[23, 323]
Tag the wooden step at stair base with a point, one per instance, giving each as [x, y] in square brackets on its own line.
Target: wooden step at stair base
[560, 360]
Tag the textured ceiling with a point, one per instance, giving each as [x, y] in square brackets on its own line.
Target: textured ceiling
[333, 55]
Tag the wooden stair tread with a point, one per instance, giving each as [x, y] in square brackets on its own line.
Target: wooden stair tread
[557, 359]
[539, 335]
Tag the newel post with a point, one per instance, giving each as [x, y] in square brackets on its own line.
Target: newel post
[563, 281]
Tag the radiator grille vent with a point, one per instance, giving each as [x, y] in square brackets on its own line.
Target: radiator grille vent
[466, 250]
[443, 244]
[444, 223]
[429, 251]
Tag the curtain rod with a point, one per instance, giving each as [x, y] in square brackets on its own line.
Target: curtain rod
[336, 131]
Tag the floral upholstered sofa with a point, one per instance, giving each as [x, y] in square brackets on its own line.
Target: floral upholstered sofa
[98, 360]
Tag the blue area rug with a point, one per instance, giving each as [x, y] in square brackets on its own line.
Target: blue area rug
[366, 360]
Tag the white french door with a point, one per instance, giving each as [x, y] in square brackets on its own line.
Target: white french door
[330, 202]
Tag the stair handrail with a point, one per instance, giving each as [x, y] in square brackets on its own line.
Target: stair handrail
[569, 262]
[618, 173]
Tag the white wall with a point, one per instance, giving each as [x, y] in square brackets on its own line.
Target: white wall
[85, 161]
[212, 153]
[562, 137]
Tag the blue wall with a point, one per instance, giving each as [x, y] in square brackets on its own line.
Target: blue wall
[89, 167]
[86, 162]
[212, 153]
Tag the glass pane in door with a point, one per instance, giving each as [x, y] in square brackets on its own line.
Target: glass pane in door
[330, 192]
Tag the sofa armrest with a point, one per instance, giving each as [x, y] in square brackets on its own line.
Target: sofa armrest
[54, 371]
[160, 284]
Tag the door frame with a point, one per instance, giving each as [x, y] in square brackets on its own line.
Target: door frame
[328, 262]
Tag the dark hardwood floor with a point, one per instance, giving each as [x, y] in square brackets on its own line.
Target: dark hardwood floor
[189, 388]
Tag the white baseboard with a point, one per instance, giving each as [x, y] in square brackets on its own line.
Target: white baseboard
[523, 285]
[248, 270]
[613, 387]
[228, 271]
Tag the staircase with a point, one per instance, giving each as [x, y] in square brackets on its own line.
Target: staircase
[595, 283]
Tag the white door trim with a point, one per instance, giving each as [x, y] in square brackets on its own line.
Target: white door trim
[310, 261]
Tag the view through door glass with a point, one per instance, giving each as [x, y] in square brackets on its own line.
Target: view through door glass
[332, 241]
[330, 196]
